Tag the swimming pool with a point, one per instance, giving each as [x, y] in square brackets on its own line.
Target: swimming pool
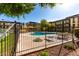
[43, 33]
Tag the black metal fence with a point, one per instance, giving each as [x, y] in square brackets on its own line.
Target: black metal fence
[8, 38]
[32, 39]
[18, 39]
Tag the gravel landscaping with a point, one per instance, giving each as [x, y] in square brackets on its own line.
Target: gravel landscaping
[54, 51]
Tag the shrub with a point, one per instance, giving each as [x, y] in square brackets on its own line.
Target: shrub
[2, 30]
[44, 53]
[69, 47]
[77, 33]
[37, 40]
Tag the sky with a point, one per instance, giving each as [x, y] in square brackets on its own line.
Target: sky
[60, 11]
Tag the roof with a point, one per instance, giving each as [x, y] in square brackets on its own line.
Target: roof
[32, 23]
[73, 15]
[9, 22]
[77, 15]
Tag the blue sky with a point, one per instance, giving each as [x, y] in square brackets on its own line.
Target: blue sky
[56, 13]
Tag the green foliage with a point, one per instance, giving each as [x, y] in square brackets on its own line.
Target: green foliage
[44, 5]
[44, 23]
[19, 9]
[51, 27]
[2, 30]
[7, 41]
[16, 9]
[46, 26]
[69, 46]
[37, 40]
[77, 33]
[44, 53]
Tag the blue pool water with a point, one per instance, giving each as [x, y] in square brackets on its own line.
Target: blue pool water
[42, 33]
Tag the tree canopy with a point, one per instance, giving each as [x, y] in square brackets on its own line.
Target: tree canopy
[18, 9]
[77, 33]
[46, 26]
[15, 9]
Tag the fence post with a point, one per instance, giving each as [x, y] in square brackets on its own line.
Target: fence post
[62, 38]
[15, 38]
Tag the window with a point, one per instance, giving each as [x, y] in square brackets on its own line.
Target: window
[73, 26]
[67, 21]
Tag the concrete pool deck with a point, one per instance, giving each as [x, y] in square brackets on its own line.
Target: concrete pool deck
[26, 45]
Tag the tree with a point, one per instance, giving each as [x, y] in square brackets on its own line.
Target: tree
[18, 9]
[77, 33]
[44, 5]
[51, 27]
[47, 26]
[43, 25]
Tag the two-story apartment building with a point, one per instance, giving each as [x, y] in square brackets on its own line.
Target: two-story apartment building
[33, 26]
[7, 24]
[67, 24]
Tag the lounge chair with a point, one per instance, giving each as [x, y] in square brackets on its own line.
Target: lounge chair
[49, 40]
[60, 38]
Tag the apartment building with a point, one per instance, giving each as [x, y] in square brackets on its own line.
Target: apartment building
[33, 26]
[67, 24]
[7, 24]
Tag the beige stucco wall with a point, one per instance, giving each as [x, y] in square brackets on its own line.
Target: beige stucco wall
[71, 22]
[76, 21]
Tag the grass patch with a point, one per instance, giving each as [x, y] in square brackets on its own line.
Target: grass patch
[69, 47]
[44, 53]
[2, 30]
